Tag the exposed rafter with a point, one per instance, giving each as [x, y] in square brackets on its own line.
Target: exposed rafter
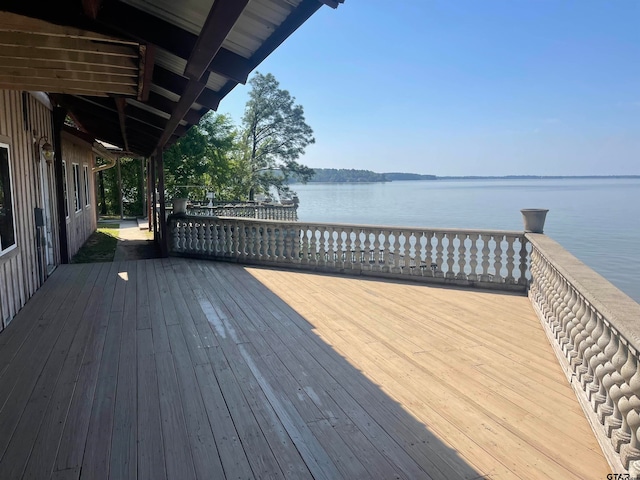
[193, 90]
[165, 75]
[121, 103]
[173, 39]
[221, 19]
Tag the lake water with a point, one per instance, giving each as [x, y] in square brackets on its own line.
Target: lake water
[597, 220]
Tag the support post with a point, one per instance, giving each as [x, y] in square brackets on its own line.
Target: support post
[150, 193]
[141, 185]
[59, 114]
[154, 198]
[120, 189]
[162, 230]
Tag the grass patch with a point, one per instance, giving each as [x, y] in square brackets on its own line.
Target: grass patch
[100, 247]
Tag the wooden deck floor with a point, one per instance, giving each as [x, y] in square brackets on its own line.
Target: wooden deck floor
[186, 369]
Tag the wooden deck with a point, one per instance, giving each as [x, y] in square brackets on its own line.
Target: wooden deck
[187, 369]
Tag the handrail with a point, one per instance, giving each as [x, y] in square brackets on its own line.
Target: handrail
[495, 259]
[595, 330]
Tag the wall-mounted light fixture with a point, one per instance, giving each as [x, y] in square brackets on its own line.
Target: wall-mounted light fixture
[46, 149]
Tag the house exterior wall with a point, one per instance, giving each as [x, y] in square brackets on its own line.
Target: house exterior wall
[25, 125]
[23, 120]
[81, 221]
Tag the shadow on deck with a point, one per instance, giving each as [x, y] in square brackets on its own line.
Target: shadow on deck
[185, 369]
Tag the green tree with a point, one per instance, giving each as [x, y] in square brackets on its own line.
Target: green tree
[274, 135]
[201, 160]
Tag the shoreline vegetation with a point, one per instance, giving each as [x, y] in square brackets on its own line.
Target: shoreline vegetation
[344, 175]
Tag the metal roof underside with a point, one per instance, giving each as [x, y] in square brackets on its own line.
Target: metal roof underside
[139, 73]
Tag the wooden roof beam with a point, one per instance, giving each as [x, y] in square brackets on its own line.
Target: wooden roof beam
[191, 93]
[121, 103]
[167, 106]
[177, 84]
[222, 17]
[91, 8]
[331, 3]
[301, 14]
[150, 29]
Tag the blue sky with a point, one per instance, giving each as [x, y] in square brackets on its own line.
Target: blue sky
[467, 87]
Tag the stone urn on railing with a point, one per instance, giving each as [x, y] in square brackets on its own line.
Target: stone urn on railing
[533, 219]
[180, 206]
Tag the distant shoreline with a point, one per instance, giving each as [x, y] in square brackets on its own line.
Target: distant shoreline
[324, 175]
[531, 177]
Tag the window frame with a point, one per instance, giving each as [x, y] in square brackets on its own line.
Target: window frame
[65, 189]
[87, 195]
[77, 201]
[4, 251]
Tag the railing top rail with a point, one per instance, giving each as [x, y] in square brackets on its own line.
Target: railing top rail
[365, 226]
[616, 307]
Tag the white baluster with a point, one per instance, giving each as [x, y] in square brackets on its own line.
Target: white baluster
[497, 256]
[510, 260]
[462, 257]
[630, 409]
[523, 261]
[451, 237]
[367, 254]
[485, 257]
[473, 258]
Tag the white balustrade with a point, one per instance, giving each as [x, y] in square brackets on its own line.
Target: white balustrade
[259, 212]
[595, 330]
[433, 255]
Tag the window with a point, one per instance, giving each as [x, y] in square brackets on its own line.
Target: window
[64, 188]
[7, 228]
[76, 187]
[87, 199]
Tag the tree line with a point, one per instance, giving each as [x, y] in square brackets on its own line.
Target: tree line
[235, 162]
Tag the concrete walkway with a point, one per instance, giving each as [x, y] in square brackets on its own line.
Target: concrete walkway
[134, 243]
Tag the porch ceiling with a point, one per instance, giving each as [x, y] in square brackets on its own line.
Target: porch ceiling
[163, 63]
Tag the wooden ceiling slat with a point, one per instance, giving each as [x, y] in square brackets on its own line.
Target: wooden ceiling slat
[44, 42]
[64, 65]
[69, 86]
[20, 23]
[45, 74]
[132, 111]
[67, 56]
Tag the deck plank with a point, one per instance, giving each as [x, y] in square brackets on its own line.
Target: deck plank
[97, 451]
[24, 373]
[268, 350]
[177, 368]
[412, 451]
[385, 352]
[59, 372]
[203, 446]
[151, 463]
[123, 460]
[42, 460]
[72, 443]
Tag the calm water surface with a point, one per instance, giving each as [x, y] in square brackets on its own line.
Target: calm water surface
[597, 220]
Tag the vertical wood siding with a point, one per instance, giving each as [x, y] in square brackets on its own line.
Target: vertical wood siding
[20, 116]
[80, 225]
